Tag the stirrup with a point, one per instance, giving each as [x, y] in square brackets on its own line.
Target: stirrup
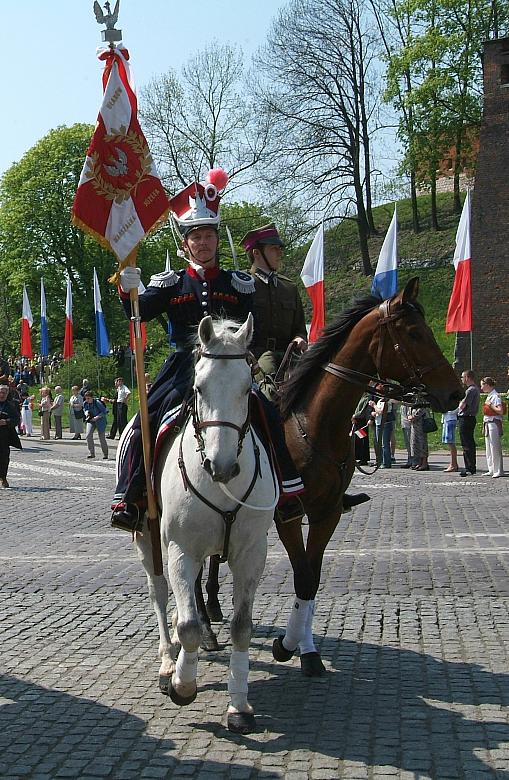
[127, 517]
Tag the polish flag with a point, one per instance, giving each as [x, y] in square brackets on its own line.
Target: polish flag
[68, 337]
[26, 327]
[361, 433]
[312, 276]
[459, 313]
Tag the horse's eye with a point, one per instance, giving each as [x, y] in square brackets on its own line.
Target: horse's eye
[198, 389]
[414, 334]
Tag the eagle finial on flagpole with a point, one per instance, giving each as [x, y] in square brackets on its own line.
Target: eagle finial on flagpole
[110, 34]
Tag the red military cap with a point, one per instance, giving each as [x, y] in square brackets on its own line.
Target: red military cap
[265, 235]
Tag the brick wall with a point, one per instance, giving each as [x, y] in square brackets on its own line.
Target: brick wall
[490, 225]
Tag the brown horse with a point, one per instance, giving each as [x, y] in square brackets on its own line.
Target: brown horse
[367, 344]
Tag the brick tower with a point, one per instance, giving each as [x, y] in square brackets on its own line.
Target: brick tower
[490, 226]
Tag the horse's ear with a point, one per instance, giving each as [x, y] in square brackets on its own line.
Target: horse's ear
[206, 331]
[245, 332]
[411, 290]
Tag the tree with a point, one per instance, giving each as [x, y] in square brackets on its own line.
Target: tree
[394, 20]
[319, 93]
[434, 79]
[38, 240]
[202, 119]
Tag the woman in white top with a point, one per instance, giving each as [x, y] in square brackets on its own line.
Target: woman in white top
[76, 413]
[44, 410]
[26, 414]
[492, 423]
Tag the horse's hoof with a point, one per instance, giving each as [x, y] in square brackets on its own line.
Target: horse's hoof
[241, 722]
[279, 652]
[311, 665]
[209, 641]
[165, 683]
[181, 701]
[214, 612]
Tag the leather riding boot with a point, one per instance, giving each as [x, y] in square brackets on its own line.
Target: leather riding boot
[354, 499]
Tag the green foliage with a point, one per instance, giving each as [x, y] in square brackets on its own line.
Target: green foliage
[85, 364]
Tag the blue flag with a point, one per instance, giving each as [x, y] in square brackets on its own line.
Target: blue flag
[102, 341]
[385, 280]
[44, 324]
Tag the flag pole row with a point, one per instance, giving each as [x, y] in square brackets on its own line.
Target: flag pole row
[101, 332]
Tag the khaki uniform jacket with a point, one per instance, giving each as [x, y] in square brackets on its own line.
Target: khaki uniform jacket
[279, 315]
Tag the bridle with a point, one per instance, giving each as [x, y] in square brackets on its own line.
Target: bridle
[229, 516]
[200, 425]
[412, 391]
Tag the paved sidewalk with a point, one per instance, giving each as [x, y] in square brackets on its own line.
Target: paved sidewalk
[412, 622]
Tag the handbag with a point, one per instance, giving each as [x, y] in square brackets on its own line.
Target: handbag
[78, 414]
[429, 425]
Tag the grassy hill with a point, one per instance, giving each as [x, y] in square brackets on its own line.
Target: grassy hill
[427, 254]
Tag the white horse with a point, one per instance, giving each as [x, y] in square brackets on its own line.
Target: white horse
[196, 507]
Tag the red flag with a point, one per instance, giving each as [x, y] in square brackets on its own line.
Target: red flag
[312, 276]
[119, 197]
[26, 327]
[68, 337]
[459, 313]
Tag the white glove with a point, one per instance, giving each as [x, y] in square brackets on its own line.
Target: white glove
[130, 278]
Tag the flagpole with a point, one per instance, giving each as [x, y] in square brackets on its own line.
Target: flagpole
[153, 516]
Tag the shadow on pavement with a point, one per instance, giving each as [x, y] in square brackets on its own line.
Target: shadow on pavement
[383, 706]
[56, 734]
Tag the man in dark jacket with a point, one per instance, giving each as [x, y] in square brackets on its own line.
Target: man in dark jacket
[278, 310]
[9, 421]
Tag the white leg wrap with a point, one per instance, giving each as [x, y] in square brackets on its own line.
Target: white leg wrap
[296, 624]
[307, 645]
[186, 667]
[237, 679]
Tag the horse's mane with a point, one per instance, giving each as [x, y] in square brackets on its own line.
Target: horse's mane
[322, 350]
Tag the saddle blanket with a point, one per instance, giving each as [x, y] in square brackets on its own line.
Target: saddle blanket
[288, 487]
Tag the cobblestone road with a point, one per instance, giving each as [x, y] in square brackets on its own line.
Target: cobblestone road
[412, 621]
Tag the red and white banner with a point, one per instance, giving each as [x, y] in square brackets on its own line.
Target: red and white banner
[68, 336]
[459, 313]
[26, 327]
[312, 276]
[119, 197]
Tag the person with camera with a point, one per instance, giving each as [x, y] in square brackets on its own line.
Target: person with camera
[96, 418]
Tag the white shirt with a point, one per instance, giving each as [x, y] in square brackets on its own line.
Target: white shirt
[123, 394]
[493, 399]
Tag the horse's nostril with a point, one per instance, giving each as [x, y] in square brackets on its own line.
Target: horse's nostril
[207, 466]
[235, 470]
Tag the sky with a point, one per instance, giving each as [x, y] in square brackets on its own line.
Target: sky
[51, 74]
